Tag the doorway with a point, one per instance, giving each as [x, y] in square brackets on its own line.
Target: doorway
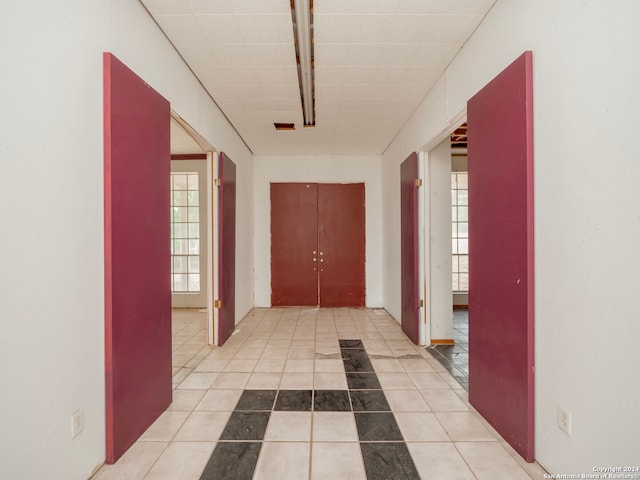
[500, 244]
[189, 233]
[450, 235]
[318, 244]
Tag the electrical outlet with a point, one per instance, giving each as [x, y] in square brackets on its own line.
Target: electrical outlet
[564, 421]
[77, 423]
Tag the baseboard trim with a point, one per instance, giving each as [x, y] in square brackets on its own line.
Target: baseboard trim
[442, 341]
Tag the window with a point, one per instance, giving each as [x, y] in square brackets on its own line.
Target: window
[185, 233]
[460, 231]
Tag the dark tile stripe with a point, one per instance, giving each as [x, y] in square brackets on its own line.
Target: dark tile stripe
[377, 427]
[356, 361]
[388, 461]
[232, 461]
[253, 400]
[351, 344]
[331, 401]
[246, 426]
[363, 381]
[388, 458]
[369, 401]
[294, 400]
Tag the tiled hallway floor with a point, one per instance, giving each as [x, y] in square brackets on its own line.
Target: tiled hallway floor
[314, 393]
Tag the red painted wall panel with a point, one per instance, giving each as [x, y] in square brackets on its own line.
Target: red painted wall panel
[409, 247]
[341, 244]
[227, 248]
[137, 256]
[501, 301]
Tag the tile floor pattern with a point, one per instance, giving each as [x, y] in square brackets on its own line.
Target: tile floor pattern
[322, 411]
[455, 358]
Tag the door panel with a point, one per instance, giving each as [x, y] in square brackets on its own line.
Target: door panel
[294, 239]
[227, 248]
[409, 247]
[341, 244]
[137, 257]
[501, 316]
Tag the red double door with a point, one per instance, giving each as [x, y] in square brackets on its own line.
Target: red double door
[318, 244]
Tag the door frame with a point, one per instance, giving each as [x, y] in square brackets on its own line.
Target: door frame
[318, 185]
[424, 257]
[180, 163]
[212, 230]
[424, 219]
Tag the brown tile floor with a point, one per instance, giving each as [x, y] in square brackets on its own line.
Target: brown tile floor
[284, 398]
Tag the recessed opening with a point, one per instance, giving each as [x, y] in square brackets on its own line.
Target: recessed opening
[284, 126]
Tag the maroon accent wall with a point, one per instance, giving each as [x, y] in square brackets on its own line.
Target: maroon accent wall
[227, 247]
[501, 296]
[409, 247]
[137, 256]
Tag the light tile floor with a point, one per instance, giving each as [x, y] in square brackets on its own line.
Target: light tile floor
[297, 349]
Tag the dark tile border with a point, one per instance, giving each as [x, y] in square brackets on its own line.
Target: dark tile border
[383, 449]
[369, 401]
[232, 461]
[246, 426]
[294, 401]
[388, 461]
[256, 400]
[377, 427]
[383, 460]
[331, 401]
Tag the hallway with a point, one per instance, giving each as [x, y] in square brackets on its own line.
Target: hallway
[314, 393]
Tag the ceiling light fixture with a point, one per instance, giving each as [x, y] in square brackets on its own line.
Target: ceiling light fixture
[302, 15]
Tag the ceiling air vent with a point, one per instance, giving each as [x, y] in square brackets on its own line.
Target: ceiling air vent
[284, 126]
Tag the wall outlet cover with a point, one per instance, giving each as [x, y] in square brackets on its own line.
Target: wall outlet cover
[77, 423]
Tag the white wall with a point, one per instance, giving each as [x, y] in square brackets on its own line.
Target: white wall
[587, 214]
[439, 281]
[51, 157]
[321, 169]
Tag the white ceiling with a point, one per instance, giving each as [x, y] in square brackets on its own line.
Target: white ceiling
[375, 60]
